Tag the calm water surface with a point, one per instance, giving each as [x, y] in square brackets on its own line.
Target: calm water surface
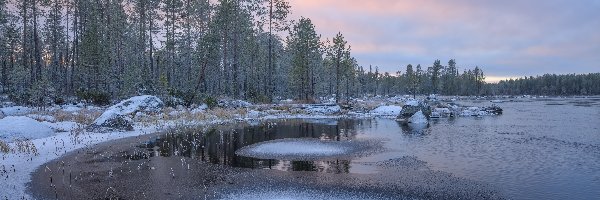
[538, 149]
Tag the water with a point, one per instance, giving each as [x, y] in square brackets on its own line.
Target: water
[538, 149]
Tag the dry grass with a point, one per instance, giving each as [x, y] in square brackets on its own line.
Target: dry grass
[4, 148]
[25, 146]
[221, 113]
[84, 116]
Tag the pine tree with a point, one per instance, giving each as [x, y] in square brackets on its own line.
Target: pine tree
[304, 45]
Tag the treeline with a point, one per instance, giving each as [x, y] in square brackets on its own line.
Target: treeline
[435, 79]
[100, 50]
[549, 84]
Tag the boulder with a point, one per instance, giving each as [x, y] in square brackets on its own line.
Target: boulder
[119, 116]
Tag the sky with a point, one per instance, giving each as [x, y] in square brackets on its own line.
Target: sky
[508, 38]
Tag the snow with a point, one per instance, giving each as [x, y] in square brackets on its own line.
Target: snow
[19, 128]
[294, 148]
[323, 109]
[39, 117]
[72, 108]
[200, 108]
[418, 118]
[234, 104]
[21, 165]
[254, 114]
[145, 103]
[412, 103]
[442, 110]
[63, 126]
[387, 110]
[15, 110]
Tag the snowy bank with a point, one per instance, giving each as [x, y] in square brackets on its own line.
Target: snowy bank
[387, 111]
[326, 109]
[22, 128]
[15, 110]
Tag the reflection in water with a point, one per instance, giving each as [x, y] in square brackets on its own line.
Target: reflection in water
[218, 144]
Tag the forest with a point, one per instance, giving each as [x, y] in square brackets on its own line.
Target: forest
[56, 51]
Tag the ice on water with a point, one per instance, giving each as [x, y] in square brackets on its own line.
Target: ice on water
[295, 148]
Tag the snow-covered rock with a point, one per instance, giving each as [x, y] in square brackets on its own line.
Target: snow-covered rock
[20, 127]
[15, 110]
[119, 115]
[442, 110]
[418, 118]
[386, 110]
[411, 103]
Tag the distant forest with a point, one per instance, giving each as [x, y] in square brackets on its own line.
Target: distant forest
[101, 50]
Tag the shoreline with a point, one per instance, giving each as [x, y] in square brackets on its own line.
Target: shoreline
[20, 166]
[101, 171]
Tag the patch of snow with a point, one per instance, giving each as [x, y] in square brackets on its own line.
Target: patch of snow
[418, 118]
[287, 101]
[20, 127]
[16, 110]
[442, 110]
[145, 103]
[71, 108]
[38, 117]
[323, 109]
[294, 148]
[234, 104]
[62, 126]
[254, 114]
[387, 110]
[411, 103]
[200, 108]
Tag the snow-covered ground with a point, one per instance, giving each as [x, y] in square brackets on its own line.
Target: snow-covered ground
[389, 111]
[22, 128]
[19, 166]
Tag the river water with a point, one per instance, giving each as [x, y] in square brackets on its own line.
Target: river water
[537, 149]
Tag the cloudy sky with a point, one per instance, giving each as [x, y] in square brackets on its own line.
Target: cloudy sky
[508, 38]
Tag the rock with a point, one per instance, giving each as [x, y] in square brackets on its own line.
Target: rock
[418, 118]
[387, 111]
[117, 122]
[119, 116]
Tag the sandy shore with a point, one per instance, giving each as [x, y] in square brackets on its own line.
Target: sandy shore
[105, 172]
